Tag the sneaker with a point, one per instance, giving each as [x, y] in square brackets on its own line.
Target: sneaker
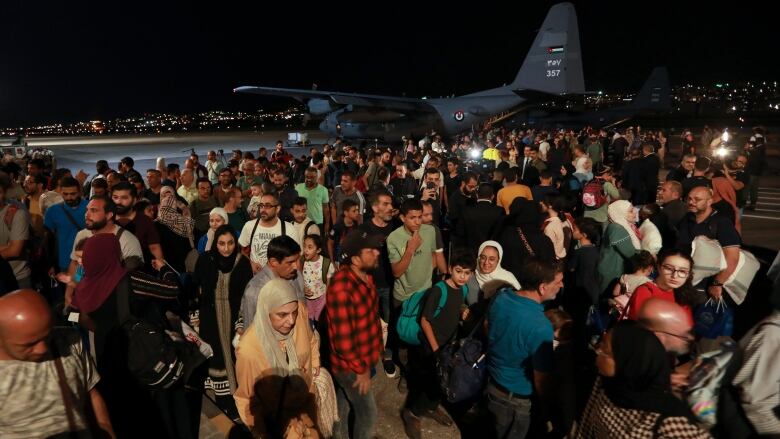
[390, 369]
[439, 415]
[412, 424]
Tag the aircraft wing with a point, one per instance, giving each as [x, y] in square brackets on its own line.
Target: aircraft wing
[358, 100]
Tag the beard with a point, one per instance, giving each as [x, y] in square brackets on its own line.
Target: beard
[96, 225]
[73, 203]
[121, 210]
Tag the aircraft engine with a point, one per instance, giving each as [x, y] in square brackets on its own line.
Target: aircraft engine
[320, 106]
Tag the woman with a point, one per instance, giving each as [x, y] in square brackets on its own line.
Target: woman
[621, 241]
[724, 200]
[217, 218]
[277, 360]
[556, 226]
[632, 397]
[583, 167]
[521, 236]
[673, 284]
[176, 229]
[490, 276]
[221, 274]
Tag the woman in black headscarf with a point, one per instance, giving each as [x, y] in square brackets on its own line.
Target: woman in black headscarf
[521, 236]
[632, 397]
[221, 274]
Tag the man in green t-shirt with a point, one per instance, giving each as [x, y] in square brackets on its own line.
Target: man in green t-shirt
[316, 199]
[411, 249]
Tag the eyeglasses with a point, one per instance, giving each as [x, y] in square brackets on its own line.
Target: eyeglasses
[266, 205]
[673, 271]
[688, 338]
[488, 258]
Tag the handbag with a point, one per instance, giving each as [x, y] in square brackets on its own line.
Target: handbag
[713, 319]
[461, 367]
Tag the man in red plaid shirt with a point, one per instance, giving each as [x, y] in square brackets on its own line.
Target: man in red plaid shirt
[355, 333]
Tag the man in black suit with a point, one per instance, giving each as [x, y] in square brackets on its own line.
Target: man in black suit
[527, 172]
[477, 222]
[650, 166]
[461, 198]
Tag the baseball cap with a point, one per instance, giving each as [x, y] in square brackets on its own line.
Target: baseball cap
[356, 241]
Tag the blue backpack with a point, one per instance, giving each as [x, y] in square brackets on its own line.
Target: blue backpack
[408, 325]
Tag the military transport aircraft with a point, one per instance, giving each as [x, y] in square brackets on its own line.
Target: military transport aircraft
[553, 67]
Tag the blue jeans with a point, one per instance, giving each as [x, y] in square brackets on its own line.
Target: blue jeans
[511, 415]
[349, 398]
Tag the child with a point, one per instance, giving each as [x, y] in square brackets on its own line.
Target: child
[439, 326]
[303, 224]
[587, 233]
[346, 224]
[317, 271]
[642, 265]
[72, 281]
[254, 200]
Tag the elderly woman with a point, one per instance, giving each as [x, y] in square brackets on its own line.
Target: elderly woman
[221, 275]
[621, 241]
[490, 276]
[632, 397]
[217, 217]
[277, 361]
[176, 228]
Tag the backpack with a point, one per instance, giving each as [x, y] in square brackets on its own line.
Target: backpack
[593, 195]
[408, 324]
[462, 368]
[706, 380]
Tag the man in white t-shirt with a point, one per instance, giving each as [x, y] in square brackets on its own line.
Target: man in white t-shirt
[256, 235]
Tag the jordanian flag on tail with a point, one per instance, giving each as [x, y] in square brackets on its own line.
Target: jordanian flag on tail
[556, 49]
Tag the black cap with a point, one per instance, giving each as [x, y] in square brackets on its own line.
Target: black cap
[356, 241]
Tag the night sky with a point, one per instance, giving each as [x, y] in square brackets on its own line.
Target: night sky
[63, 62]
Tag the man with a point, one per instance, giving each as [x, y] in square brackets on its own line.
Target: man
[352, 304]
[512, 190]
[427, 218]
[188, 190]
[213, 166]
[343, 192]
[280, 155]
[100, 218]
[699, 177]
[479, 220]
[36, 361]
[650, 165]
[460, 199]
[285, 193]
[284, 260]
[452, 178]
[65, 220]
[491, 153]
[101, 168]
[536, 160]
[33, 186]
[249, 178]
[225, 188]
[304, 225]
[756, 164]
[124, 196]
[199, 170]
[402, 185]
[432, 191]
[670, 323]
[619, 147]
[126, 168]
[381, 225]
[673, 209]
[412, 250]
[172, 175]
[739, 179]
[595, 152]
[154, 180]
[14, 232]
[200, 208]
[519, 349]
[528, 173]
[702, 219]
[237, 216]
[683, 171]
[317, 199]
[255, 235]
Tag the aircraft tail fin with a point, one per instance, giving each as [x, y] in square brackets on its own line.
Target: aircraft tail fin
[655, 94]
[554, 63]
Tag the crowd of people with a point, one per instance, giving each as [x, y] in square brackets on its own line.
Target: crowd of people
[280, 286]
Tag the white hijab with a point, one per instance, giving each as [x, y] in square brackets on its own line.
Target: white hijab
[618, 214]
[218, 211]
[276, 293]
[490, 282]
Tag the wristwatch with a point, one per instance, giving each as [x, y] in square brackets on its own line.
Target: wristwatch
[716, 283]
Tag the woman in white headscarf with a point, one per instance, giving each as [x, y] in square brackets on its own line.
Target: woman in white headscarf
[621, 241]
[277, 361]
[217, 217]
[489, 276]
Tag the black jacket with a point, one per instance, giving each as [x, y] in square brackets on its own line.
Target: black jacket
[477, 223]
